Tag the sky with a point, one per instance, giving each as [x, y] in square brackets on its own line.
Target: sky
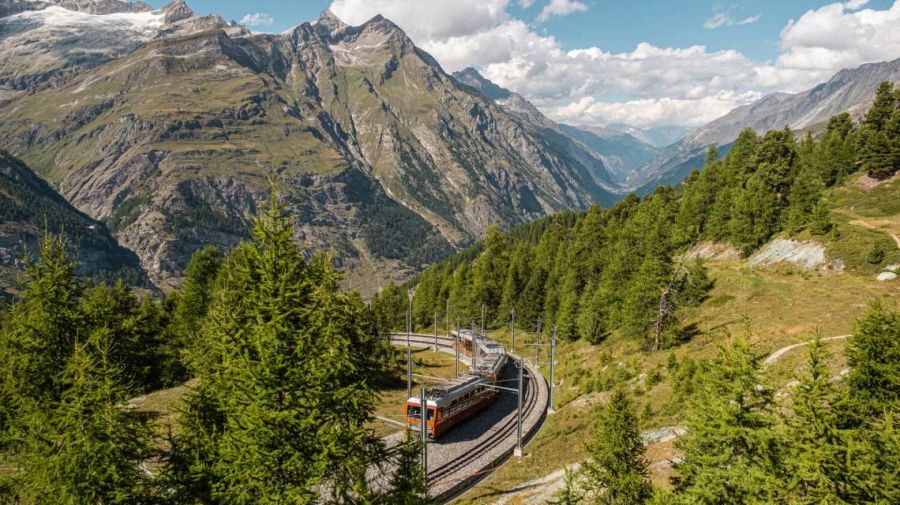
[645, 63]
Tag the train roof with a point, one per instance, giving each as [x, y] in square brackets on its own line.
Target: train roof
[414, 400]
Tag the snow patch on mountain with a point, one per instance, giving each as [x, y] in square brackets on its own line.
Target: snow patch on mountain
[142, 23]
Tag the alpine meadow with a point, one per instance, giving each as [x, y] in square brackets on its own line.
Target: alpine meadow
[490, 252]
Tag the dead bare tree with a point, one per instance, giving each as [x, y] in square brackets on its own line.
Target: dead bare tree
[666, 305]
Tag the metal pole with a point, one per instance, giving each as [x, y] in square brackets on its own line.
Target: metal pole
[482, 319]
[457, 345]
[448, 318]
[408, 373]
[537, 348]
[552, 367]
[435, 333]
[518, 450]
[408, 354]
[513, 330]
[423, 424]
[474, 346]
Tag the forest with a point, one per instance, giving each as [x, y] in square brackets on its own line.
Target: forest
[283, 365]
[617, 269]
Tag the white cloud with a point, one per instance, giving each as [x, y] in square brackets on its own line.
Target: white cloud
[833, 37]
[647, 86]
[560, 8]
[525, 3]
[425, 20]
[257, 19]
[721, 19]
[653, 111]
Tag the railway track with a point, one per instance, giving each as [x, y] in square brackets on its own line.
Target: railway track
[466, 460]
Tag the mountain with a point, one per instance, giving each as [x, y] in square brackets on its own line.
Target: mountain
[849, 90]
[387, 160]
[656, 136]
[29, 207]
[621, 152]
[45, 40]
[529, 115]
[618, 153]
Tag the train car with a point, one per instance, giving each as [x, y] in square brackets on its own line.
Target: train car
[452, 402]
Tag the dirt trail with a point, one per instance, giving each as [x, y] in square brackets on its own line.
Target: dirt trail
[873, 225]
[775, 356]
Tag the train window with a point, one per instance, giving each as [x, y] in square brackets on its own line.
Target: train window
[412, 411]
[430, 414]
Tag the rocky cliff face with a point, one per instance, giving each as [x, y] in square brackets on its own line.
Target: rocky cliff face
[849, 90]
[552, 133]
[386, 159]
[29, 207]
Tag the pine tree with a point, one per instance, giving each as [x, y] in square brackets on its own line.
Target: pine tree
[591, 315]
[617, 472]
[287, 377]
[731, 452]
[389, 306]
[883, 107]
[835, 153]
[641, 299]
[876, 154]
[489, 273]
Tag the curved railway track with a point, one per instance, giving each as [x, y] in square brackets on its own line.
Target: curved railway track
[471, 460]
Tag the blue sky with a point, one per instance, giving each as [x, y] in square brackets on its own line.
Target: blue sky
[613, 25]
[644, 62]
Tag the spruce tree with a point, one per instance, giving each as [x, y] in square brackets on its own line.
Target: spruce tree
[617, 473]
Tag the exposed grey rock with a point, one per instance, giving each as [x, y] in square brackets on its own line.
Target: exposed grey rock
[886, 276]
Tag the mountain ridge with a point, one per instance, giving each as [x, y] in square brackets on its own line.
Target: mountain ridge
[849, 90]
[31, 208]
[385, 158]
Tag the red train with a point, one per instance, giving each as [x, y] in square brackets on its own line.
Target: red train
[455, 401]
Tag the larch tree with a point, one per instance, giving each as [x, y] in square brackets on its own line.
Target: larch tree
[817, 449]
[617, 472]
[731, 451]
[284, 390]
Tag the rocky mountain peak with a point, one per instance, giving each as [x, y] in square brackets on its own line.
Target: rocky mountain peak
[176, 11]
[330, 22]
[472, 78]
